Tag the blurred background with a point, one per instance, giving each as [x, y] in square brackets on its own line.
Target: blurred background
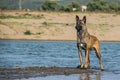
[61, 5]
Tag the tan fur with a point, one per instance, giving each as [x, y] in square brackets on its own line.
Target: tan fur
[86, 42]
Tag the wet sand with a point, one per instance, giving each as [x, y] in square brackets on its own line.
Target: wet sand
[33, 72]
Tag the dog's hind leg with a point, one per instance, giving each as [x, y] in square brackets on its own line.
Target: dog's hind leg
[97, 49]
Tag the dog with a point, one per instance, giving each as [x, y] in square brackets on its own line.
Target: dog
[86, 42]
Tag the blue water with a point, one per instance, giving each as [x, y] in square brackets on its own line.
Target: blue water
[37, 53]
[19, 53]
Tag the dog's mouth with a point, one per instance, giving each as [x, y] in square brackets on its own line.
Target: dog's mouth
[78, 28]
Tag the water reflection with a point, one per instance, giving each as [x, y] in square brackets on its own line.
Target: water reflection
[83, 76]
[89, 76]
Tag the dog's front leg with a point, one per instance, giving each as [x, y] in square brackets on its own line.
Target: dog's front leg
[80, 55]
[87, 58]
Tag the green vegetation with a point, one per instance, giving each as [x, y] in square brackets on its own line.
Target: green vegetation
[61, 5]
[102, 5]
[23, 16]
[114, 7]
[6, 16]
[28, 32]
[98, 5]
[45, 23]
[94, 5]
[50, 5]
[55, 24]
[54, 6]
[39, 33]
[69, 8]
[2, 23]
[14, 23]
[75, 5]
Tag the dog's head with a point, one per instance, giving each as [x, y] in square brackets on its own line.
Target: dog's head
[80, 23]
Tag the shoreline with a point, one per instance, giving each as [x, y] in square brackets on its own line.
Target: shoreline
[32, 72]
[57, 40]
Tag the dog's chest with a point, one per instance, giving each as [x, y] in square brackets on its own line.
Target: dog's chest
[82, 45]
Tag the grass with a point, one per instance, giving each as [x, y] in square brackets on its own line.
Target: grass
[28, 32]
[22, 16]
[15, 23]
[2, 23]
[12, 23]
[55, 24]
[104, 27]
[45, 23]
[39, 33]
[101, 27]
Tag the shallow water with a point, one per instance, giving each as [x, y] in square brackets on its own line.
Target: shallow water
[59, 53]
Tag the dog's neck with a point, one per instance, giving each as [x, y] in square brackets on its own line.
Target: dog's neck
[82, 35]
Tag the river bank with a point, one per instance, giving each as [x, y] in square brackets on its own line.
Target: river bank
[21, 25]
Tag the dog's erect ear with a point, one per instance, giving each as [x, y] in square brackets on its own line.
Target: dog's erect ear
[84, 19]
[77, 18]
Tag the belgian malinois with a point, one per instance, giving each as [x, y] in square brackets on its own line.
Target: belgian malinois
[86, 42]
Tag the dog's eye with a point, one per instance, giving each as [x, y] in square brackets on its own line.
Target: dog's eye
[81, 23]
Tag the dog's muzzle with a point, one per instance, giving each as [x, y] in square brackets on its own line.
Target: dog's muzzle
[78, 28]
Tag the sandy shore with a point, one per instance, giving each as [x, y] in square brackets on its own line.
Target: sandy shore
[29, 72]
[57, 25]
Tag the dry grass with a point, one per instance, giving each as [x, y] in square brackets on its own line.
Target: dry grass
[57, 25]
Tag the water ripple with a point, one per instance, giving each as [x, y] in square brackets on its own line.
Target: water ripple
[54, 53]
